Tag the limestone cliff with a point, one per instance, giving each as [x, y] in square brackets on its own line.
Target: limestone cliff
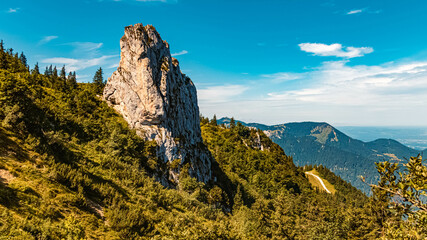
[160, 102]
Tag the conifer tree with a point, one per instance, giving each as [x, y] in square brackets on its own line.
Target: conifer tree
[15, 64]
[62, 74]
[213, 120]
[232, 123]
[36, 70]
[23, 59]
[98, 80]
[55, 72]
[71, 80]
[50, 71]
[3, 62]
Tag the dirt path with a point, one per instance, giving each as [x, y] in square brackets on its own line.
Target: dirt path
[320, 180]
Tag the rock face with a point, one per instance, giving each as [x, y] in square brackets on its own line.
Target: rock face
[155, 98]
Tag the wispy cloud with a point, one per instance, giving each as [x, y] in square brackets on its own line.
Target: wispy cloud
[47, 39]
[355, 11]
[86, 46]
[114, 65]
[13, 10]
[282, 77]
[216, 94]
[85, 49]
[366, 10]
[73, 64]
[390, 94]
[183, 52]
[380, 92]
[336, 49]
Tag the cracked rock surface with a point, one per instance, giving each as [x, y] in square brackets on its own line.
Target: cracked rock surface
[159, 102]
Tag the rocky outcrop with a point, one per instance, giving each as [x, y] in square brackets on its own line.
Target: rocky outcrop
[155, 98]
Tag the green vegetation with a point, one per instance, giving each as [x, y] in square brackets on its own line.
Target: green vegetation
[98, 80]
[273, 198]
[315, 143]
[70, 168]
[405, 192]
[79, 172]
[316, 183]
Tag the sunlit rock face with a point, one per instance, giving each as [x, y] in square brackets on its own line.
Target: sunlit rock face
[159, 102]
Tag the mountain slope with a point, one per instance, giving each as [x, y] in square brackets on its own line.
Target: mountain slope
[321, 184]
[311, 143]
[72, 168]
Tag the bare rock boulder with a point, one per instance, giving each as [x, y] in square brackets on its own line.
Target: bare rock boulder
[159, 102]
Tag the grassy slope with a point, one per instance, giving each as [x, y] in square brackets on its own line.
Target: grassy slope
[79, 172]
[315, 182]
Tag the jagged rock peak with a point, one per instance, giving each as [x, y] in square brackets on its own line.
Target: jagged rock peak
[155, 98]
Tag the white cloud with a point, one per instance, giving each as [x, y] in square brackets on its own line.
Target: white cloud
[86, 46]
[115, 65]
[85, 49]
[13, 10]
[79, 64]
[183, 52]
[47, 39]
[336, 49]
[355, 11]
[282, 77]
[217, 94]
[388, 94]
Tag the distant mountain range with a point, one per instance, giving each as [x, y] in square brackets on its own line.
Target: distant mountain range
[315, 143]
[413, 137]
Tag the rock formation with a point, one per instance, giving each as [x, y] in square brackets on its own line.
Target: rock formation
[155, 98]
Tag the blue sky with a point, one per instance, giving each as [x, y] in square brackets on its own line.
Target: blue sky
[360, 63]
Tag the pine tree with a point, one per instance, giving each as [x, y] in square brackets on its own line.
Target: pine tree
[62, 74]
[3, 62]
[71, 80]
[55, 72]
[98, 80]
[50, 71]
[232, 123]
[36, 70]
[23, 59]
[213, 120]
[15, 64]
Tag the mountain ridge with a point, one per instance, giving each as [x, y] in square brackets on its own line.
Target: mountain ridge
[319, 143]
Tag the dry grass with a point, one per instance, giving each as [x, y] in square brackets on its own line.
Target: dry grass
[316, 183]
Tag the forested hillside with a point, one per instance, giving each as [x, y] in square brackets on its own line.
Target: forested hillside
[312, 143]
[70, 168]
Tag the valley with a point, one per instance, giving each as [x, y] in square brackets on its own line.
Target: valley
[311, 143]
